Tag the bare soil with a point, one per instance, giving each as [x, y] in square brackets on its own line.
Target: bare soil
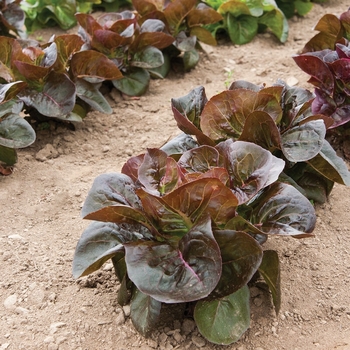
[42, 307]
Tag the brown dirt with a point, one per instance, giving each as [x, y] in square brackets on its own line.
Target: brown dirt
[42, 307]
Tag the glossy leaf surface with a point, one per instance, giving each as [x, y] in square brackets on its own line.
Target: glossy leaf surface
[283, 210]
[241, 257]
[251, 167]
[176, 274]
[110, 189]
[144, 312]
[204, 196]
[16, 132]
[99, 242]
[330, 165]
[270, 270]
[223, 321]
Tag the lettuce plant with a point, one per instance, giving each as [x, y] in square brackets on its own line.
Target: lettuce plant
[11, 18]
[326, 59]
[56, 77]
[54, 81]
[45, 13]
[15, 131]
[294, 7]
[278, 118]
[185, 21]
[134, 49]
[243, 19]
[189, 231]
[185, 223]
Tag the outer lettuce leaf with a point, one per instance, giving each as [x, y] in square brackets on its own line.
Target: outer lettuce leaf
[184, 273]
[223, 321]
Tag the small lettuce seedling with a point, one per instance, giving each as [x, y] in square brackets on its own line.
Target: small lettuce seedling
[188, 231]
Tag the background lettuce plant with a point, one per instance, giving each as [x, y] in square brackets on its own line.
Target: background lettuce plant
[243, 19]
[186, 21]
[296, 7]
[15, 131]
[326, 58]
[278, 118]
[134, 49]
[54, 81]
[46, 13]
[55, 76]
[11, 18]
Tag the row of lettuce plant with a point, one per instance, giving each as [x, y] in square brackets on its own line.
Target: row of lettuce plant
[62, 78]
[43, 13]
[185, 223]
[128, 48]
[242, 19]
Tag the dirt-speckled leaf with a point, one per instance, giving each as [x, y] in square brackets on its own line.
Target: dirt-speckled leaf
[223, 321]
[110, 189]
[99, 242]
[241, 256]
[55, 100]
[282, 210]
[330, 165]
[16, 132]
[250, 166]
[270, 270]
[179, 144]
[304, 141]
[171, 274]
[134, 83]
[144, 312]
